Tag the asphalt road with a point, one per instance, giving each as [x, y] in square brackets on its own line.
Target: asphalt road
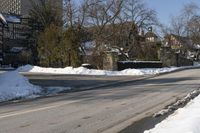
[107, 109]
[78, 82]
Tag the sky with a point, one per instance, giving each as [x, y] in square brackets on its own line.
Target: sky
[167, 8]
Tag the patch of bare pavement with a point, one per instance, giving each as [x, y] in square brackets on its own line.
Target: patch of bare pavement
[108, 109]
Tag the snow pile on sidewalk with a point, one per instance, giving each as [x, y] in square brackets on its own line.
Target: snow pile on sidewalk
[179, 103]
[85, 71]
[13, 86]
[147, 71]
[184, 120]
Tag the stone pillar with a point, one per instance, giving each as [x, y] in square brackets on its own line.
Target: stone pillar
[110, 61]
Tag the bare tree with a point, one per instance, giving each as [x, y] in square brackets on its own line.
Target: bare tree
[115, 15]
[137, 11]
[140, 17]
[70, 13]
[192, 22]
[76, 14]
[194, 29]
[190, 10]
[180, 25]
[101, 12]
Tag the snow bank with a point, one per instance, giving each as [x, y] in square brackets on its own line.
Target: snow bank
[147, 71]
[184, 120]
[84, 71]
[13, 85]
[176, 105]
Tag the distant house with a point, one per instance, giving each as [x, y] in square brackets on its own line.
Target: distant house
[150, 36]
[178, 51]
[182, 45]
[150, 45]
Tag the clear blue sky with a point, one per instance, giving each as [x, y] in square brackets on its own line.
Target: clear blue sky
[167, 8]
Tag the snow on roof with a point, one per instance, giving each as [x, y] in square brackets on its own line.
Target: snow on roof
[88, 47]
[13, 19]
[16, 49]
[5, 18]
[88, 44]
[2, 18]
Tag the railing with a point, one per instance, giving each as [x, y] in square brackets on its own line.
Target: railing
[122, 65]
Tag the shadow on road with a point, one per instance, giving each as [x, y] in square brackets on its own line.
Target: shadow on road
[143, 125]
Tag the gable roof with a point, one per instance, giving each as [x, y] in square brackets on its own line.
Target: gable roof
[151, 34]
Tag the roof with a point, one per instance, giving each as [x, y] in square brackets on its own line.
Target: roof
[150, 34]
[9, 18]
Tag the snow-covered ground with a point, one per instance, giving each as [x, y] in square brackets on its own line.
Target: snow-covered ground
[184, 120]
[13, 86]
[84, 71]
